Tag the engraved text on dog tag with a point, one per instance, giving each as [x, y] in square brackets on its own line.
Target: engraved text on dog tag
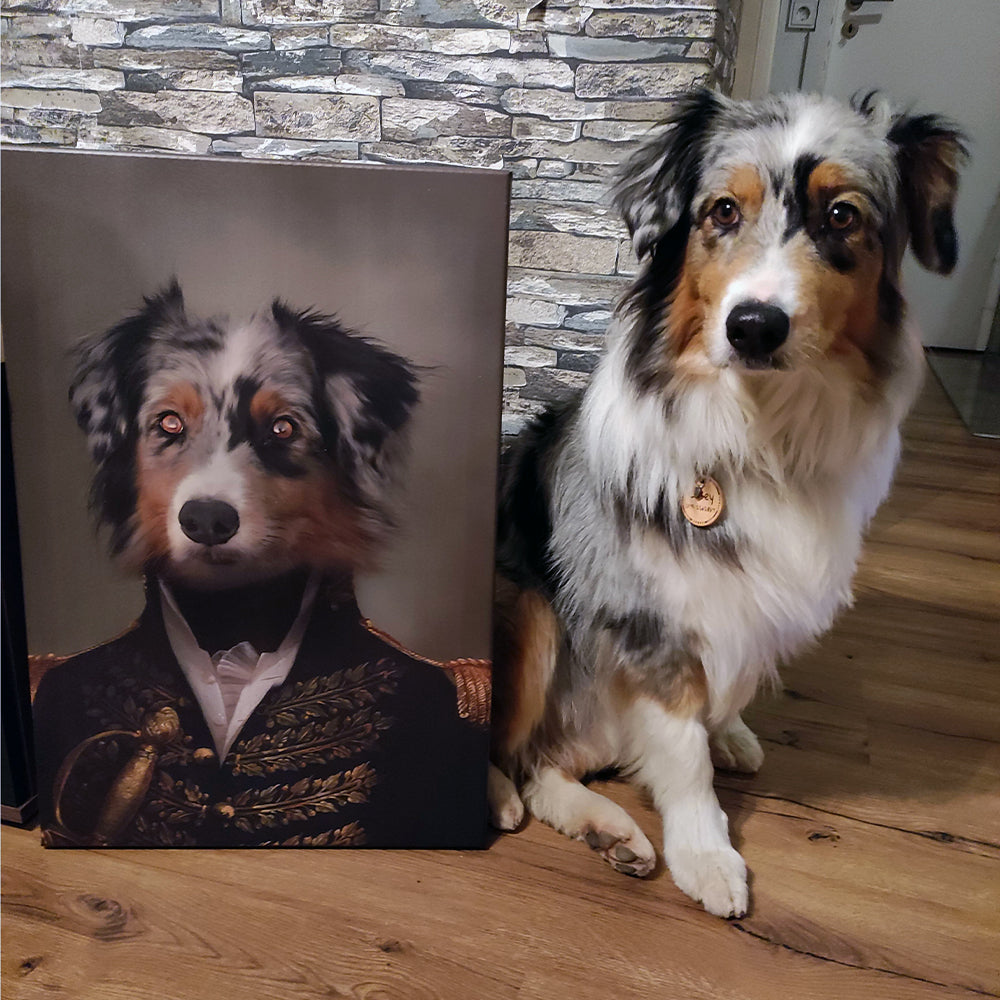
[703, 505]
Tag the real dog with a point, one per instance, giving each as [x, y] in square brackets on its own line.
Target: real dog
[696, 516]
[245, 468]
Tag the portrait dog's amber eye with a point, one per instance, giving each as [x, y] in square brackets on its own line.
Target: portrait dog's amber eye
[726, 213]
[843, 217]
[171, 423]
[283, 428]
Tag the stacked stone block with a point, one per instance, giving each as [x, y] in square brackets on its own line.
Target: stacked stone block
[558, 93]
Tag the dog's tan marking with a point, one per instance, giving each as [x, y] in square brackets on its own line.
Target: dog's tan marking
[157, 479]
[840, 311]
[184, 399]
[686, 315]
[690, 690]
[684, 692]
[266, 405]
[314, 523]
[747, 188]
[158, 474]
[527, 644]
[827, 180]
[708, 268]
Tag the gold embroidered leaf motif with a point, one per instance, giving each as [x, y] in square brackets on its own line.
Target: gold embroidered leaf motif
[177, 801]
[352, 835]
[317, 742]
[323, 696]
[127, 703]
[278, 805]
[149, 832]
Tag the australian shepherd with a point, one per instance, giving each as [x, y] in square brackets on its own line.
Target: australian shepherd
[695, 517]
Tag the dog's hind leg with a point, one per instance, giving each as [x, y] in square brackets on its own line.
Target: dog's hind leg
[526, 643]
[671, 749]
[555, 797]
[736, 748]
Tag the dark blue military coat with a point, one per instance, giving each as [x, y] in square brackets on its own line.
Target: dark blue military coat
[364, 744]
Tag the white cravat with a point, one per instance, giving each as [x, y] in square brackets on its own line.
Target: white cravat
[231, 683]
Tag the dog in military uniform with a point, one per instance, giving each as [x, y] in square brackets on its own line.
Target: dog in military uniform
[244, 468]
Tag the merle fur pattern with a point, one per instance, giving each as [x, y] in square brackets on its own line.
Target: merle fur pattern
[655, 194]
[355, 398]
[590, 514]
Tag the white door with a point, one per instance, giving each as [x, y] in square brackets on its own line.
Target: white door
[940, 56]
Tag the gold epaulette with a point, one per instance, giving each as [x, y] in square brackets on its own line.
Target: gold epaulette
[472, 678]
[39, 664]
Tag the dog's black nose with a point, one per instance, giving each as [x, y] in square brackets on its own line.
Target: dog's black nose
[209, 522]
[756, 330]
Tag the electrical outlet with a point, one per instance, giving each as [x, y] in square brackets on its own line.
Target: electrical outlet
[802, 15]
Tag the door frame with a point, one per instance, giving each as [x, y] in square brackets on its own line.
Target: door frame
[766, 54]
[758, 33]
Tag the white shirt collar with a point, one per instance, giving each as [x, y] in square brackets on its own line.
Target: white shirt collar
[233, 682]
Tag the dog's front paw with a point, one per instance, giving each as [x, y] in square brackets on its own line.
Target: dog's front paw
[737, 749]
[506, 807]
[715, 878]
[626, 849]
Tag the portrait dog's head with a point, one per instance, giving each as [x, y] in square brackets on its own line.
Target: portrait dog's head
[772, 232]
[229, 452]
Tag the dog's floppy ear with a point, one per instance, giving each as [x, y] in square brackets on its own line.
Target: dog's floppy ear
[367, 396]
[929, 153]
[106, 394]
[110, 372]
[657, 183]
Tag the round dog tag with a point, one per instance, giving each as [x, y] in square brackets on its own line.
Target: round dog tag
[703, 505]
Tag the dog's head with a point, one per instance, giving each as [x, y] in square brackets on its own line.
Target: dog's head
[772, 232]
[229, 452]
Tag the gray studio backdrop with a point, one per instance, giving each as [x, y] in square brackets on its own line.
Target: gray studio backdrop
[414, 257]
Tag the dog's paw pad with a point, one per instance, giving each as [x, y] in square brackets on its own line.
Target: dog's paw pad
[628, 852]
[622, 853]
[716, 879]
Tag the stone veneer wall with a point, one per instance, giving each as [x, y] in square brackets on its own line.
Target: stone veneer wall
[559, 94]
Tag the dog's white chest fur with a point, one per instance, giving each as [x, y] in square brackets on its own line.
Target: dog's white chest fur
[795, 557]
[802, 469]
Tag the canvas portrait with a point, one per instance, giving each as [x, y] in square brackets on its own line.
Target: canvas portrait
[274, 389]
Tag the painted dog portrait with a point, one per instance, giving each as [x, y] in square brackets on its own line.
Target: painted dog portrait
[246, 468]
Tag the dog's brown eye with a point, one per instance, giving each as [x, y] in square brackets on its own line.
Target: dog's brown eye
[283, 428]
[843, 217]
[726, 213]
[170, 424]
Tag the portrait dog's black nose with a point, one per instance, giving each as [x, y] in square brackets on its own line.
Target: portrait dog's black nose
[756, 330]
[209, 522]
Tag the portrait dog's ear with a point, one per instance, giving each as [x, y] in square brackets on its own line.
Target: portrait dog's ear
[930, 151]
[367, 394]
[656, 184]
[105, 395]
[109, 372]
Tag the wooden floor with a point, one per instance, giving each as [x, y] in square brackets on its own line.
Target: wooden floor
[871, 834]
